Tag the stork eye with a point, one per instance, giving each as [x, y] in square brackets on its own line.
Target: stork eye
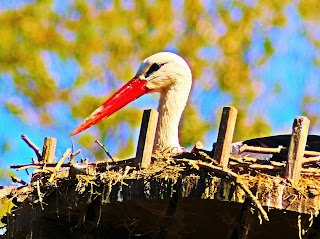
[153, 68]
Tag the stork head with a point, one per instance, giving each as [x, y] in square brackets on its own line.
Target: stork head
[157, 73]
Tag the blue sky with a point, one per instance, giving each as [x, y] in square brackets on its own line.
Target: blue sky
[291, 67]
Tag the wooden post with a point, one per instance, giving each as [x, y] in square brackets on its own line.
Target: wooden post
[146, 138]
[225, 135]
[296, 148]
[49, 149]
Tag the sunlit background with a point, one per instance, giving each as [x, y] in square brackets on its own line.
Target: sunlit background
[59, 60]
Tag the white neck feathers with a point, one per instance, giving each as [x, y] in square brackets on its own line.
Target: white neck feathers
[171, 105]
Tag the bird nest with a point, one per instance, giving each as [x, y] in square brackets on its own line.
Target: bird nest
[197, 173]
[72, 191]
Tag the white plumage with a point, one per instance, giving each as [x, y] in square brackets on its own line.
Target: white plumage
[163, 72]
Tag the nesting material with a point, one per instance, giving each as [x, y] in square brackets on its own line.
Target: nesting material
[196, 173]
[64, 191]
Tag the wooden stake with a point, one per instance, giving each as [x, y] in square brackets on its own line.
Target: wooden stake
[296, 148]
[146, 138]
[225, 135]
[49, 149]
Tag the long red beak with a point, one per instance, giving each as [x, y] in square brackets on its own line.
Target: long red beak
[129, 92]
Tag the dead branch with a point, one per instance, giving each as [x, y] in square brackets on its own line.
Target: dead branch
[32, 146]
[254, 149]
[275, 167]
[124, 174]
[74, 154]
[15, 179]
[39, 194]
[35, 166]
[56, 168]
[310, 170]
[207, 157]
[280, 149]
[266, 167]
[311, 160]
[105, 149]
[238, 160]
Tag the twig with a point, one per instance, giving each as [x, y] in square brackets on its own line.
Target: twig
[64, 156]
[266, 167]
[15, 179]
[32, 146]
[73, 154]
[234, 177]
[105, 149]
[311, 153]
[273, 166]
[238, 160]
[195, 155]
[117, 160]
[65, 165]
[280, 149]
[310, 170]
[121, 177]
[35, 166]
[207, 157]
[39, 194]
[250, 159]
[254, 149]
[311, 160]
[84, 161]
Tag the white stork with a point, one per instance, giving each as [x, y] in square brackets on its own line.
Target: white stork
[162, 72]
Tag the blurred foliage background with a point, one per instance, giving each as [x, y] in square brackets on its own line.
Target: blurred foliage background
[59, 60]
[62, 59]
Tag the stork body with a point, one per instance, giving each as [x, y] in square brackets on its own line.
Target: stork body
[164, 72]
[313, 144]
